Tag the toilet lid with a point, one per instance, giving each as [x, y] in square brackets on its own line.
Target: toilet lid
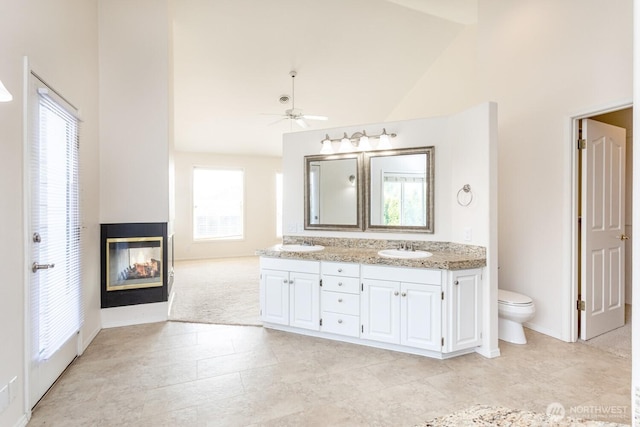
[513, 298]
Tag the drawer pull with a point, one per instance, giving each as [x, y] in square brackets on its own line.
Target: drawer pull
[396, 293]
[339, 270]
[339, 299]
[339, 283]
[339, 320]
[404, 294]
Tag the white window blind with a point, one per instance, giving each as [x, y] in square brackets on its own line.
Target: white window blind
[56, 302]
[218, 203]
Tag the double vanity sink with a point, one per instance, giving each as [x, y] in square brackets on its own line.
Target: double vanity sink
[438, 255]
[385, 253]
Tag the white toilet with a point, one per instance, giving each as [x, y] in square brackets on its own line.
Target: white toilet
[513, 310]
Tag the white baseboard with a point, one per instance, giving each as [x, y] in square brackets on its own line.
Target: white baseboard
[489, 353]
[134, 314]
[22, 422]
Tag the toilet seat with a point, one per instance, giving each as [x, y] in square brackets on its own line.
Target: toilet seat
[513, 299]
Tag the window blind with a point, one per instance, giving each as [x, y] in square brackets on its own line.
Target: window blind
[218, 203]
[56, 301]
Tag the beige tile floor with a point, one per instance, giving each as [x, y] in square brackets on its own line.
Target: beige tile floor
[185, 374]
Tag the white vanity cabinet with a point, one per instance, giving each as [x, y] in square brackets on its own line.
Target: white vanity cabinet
[463, 312]
[340, 298]
[402, 306]
[290, 292]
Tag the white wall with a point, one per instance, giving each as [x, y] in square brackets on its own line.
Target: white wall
[135, 119]
[465, 153]
[540, 72]
[260, 205]
[60, 38]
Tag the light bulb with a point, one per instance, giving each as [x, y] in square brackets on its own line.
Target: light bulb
[327, 148]
[385, 142]
[345, 145]
[364, 144]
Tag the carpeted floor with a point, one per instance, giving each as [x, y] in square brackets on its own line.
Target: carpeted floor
[618, 341]
[222, 291]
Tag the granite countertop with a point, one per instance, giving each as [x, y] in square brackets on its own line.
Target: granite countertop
[446, 256]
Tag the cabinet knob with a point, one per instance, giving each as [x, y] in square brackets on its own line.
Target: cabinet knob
[339, 283]
[404, 294]
[291, 282]
[339, 270]
[339, 299]
[396, 293]
[339, 320]
[455, 283]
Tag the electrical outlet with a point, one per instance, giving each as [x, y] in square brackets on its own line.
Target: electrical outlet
[467, 234]
[13, 389]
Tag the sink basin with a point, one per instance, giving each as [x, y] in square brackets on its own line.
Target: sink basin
[403, 254]
[300, 248]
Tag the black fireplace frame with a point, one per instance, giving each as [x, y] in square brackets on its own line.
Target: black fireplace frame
[123, 297]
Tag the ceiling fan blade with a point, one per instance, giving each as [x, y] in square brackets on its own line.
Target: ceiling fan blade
[300, 122]
[314, 117]
[278, 121]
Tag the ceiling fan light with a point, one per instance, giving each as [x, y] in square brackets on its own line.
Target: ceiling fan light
[345, 144]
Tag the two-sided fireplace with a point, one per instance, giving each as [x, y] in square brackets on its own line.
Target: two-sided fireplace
[136, 263]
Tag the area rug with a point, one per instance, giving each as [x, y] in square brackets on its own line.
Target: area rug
[490, 416]
[222, 291]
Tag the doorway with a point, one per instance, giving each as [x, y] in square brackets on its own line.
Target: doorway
[603, 274]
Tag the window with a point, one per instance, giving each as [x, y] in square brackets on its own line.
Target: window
[218, 203]
[404, 199]
[279, 204]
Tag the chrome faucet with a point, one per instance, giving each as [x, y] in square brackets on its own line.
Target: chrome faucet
[307, 243]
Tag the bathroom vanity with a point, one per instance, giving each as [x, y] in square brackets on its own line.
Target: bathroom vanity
[430, 306]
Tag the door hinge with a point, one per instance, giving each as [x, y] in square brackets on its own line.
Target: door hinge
[442, 295]
[362, 328]
[362, 287]
[582, 144]
[320, 322]
[581, 305]
[320, 282]
[442, 341]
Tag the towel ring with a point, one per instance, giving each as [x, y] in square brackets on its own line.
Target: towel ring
[466, 189]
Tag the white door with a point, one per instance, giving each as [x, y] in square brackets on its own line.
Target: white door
[420, 322]
[55, 305]
[274, 295]
[381, 311]
[304, 300]
[602, 228]
[464, 310]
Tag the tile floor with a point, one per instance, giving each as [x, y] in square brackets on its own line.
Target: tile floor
[185, 374]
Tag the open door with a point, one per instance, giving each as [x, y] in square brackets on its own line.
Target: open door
[602, 228]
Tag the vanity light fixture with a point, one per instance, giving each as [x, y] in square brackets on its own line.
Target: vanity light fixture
[359, 141]
[5, 95]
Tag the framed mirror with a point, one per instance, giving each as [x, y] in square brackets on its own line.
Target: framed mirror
[333, 192]
[399, 190]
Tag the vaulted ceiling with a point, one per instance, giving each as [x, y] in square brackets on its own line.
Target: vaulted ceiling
[355, 61]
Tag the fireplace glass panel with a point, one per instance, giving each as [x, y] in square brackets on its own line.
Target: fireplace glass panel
[134, 262]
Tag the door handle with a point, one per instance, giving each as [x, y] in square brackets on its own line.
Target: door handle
[623, 237]
[35, 266]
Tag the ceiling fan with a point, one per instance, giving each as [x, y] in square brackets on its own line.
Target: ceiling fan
[295, 114]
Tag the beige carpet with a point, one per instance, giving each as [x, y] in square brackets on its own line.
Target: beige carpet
[618, 341]
[223, 291]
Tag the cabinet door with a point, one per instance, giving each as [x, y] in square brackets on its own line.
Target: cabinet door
[380, 305]
[420, 322]
[274, 296]
[464, 306]
[304, 300]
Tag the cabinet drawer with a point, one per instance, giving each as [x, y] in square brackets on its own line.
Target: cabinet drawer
[339, 302]
[341, 284]
[342, 324]
[340, 269]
